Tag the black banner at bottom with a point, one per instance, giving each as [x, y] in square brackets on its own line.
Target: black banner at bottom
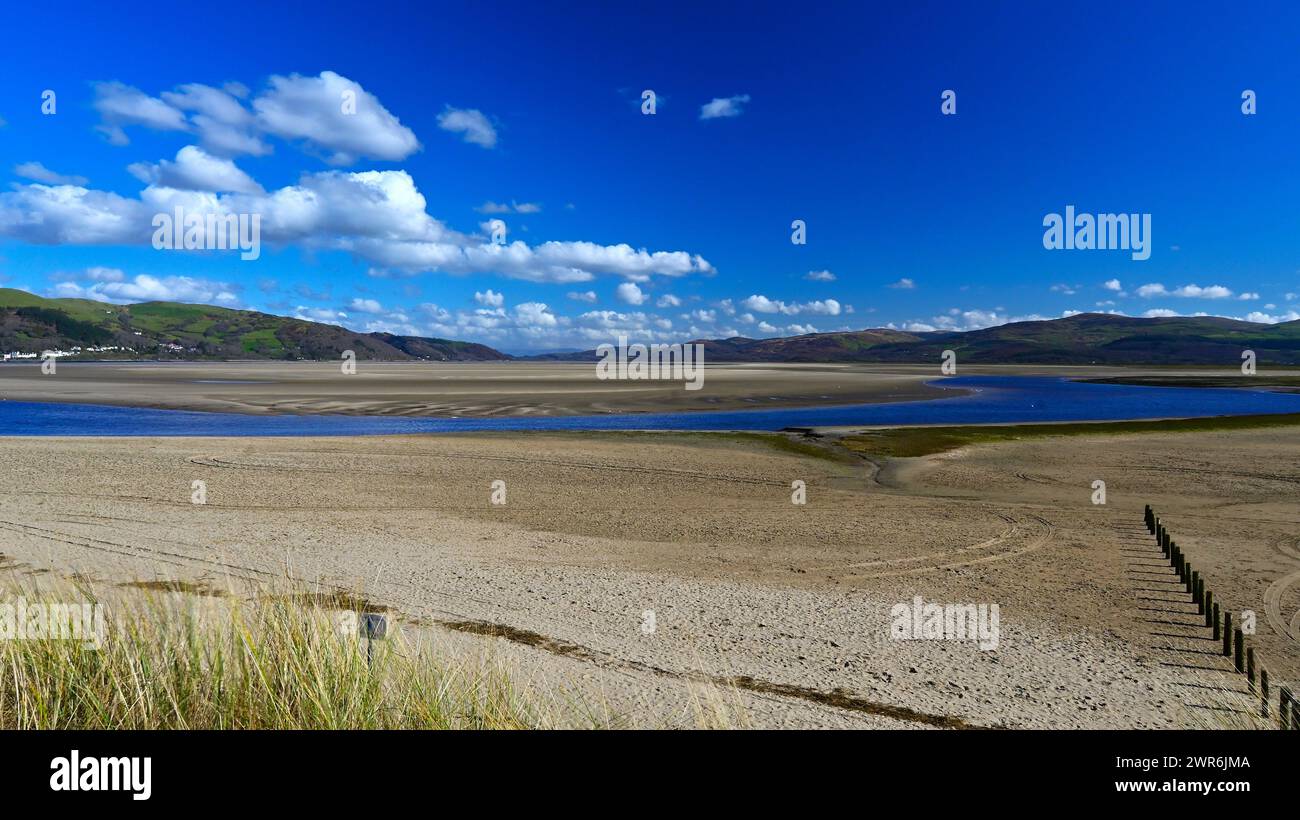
[145, 770]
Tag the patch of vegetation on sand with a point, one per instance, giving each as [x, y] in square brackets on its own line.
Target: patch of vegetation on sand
[188, 587]
[276, 659]
[805, 447]
[264, 664]
[793, 444]
[911, 442]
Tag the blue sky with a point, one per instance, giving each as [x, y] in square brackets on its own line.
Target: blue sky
[663, 226]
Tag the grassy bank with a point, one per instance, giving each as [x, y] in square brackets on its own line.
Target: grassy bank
[782, 442]
[910, 442]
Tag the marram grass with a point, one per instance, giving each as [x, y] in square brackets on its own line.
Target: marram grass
[268, 663]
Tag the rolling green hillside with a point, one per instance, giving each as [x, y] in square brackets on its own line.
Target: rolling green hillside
[1094, 338]
[1089, 338]
[31, 324]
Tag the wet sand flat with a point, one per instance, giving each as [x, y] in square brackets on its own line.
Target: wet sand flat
[491, 389]
[436, 389]
[784, 608]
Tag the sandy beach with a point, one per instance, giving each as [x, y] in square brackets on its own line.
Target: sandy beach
[782, 610]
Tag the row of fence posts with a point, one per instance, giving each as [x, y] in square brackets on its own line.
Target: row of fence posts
[1234, 642]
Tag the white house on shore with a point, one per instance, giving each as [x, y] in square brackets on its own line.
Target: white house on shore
[76, 351]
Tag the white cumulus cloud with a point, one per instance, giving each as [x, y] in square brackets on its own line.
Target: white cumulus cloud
[196, 170]
[510, 207]
[313, 109]
[328, 113]
[378, 216]
[762, 304]
[39, 173]
[724, 107]
[121, 105]
[630, 293]
[1185, 292]
[108, 286]
[470, 123]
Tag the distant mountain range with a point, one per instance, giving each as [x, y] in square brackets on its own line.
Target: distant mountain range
[1086, 338]
[32, 324]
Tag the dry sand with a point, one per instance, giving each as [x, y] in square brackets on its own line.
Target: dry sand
[778, 611]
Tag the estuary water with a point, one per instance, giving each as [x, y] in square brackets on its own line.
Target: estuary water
[991, 400]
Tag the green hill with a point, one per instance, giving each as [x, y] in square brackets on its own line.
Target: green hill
[1095, 338]
[31, 324]
[1088, 338]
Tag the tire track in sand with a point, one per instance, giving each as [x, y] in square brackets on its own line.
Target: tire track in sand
[1289, 546]
[942, 561]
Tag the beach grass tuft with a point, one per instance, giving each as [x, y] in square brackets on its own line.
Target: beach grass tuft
[265, 663]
